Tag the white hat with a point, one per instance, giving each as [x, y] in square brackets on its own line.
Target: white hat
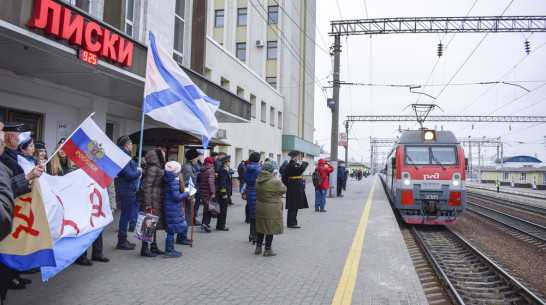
[23, 138]
[173, 166]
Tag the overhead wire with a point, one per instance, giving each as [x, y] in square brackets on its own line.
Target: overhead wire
[301, 30]
[287, 43]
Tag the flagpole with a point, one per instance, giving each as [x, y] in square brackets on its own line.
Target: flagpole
[68, 138]
[140, 145]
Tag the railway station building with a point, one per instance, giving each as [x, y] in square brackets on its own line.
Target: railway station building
[60, 61]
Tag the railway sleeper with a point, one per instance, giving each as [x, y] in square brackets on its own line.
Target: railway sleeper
[473, 277]
[501, 290]
[488, 300]
[472, 269]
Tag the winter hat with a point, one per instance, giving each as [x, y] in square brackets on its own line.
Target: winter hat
[191, 154]
[173, 167]
[123, 140]
[268, 166]
[254, 157]
[39, 145]
[209, 160]
[213, 154]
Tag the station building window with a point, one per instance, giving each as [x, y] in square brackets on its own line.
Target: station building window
[273, 14]
[219, 18]
[129, 17]
[81, 4]
[506, 176]
[241, 51]
[32, 121]
[179, 24]
[241, 16]
[264, 112]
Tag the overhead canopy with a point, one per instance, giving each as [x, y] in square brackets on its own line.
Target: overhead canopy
[171, 137]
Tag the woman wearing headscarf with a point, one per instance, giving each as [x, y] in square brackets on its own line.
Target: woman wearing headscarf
[251, 174]
[269, 221]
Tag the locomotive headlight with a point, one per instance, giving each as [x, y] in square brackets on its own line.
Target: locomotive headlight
[456, 179]
[407, 178]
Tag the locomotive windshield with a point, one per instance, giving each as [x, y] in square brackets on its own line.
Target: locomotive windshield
[430, 155]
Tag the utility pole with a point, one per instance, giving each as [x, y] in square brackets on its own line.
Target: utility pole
[479, 163]
[335, 111]
[347, 145]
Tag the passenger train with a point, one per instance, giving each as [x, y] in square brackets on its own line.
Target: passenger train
[425, 177]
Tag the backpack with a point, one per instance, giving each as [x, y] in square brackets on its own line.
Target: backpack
[317, 179]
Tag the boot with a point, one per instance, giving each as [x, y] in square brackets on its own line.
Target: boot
[123, 244]
[269, 252]
[169, 250]
[144, 250]
[258, 249]
[155, 249]
[252, 235]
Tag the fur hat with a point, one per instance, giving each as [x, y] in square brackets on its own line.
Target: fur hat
[254, 157]
[209, 160]
[173, 167]
[191, 154]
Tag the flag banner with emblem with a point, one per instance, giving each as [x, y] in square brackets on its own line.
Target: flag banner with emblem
[172, 98]
[29, 244]
[77, 210]
[95, 153]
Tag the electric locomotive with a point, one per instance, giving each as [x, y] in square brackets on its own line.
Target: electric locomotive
[425, 177]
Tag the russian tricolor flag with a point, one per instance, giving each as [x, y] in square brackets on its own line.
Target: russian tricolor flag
[95, 153]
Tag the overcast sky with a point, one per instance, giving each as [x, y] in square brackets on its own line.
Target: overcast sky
[409, 59]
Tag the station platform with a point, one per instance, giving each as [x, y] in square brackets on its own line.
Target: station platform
[536, 193]
[352, 254]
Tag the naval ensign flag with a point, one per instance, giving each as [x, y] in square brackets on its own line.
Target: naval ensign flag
[171, 97]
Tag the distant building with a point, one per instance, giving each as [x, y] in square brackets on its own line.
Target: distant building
[519, 171]
[518, 161]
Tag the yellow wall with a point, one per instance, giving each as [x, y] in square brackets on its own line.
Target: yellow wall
[241, 34]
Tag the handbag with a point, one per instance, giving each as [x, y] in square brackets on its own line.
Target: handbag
[243, 192]
[213, 208]
[145, 226]
[244, 195]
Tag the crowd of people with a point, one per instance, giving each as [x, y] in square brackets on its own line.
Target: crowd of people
[164, 188]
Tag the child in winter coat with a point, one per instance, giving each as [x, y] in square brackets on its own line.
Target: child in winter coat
[175, 195]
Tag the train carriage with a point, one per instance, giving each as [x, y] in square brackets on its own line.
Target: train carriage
[425, 177]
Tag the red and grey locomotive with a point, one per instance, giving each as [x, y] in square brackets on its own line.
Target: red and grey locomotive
[425, 177]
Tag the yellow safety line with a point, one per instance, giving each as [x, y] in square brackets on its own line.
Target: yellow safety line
[346, 286]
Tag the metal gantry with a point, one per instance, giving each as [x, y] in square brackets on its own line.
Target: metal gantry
[439, 25]
[448, 118]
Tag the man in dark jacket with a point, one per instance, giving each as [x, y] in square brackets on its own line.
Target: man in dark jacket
[19, 184]
[127, 188]
[224, 191]
[295, 194]
[197, 181]
[7, 203]
[340, 179]
[188, 171]
[283, 168]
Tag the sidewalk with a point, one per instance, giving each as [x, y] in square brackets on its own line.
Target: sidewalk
[221, 267]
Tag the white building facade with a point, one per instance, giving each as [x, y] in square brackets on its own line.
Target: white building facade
[263, 50]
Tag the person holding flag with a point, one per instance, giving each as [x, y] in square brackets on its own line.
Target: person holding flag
[188, 172]
[19, 186]
[127, 187]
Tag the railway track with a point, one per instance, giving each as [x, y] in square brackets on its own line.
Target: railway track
[515, 204]
[470, 277]
[523, 229]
